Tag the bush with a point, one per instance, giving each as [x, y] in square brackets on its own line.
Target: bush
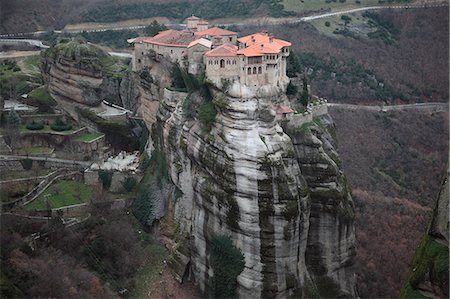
[105, 177]
[227, 262]
[327, 24]
[27, 164]
[129, 183]
[34, 126]
[60, 126]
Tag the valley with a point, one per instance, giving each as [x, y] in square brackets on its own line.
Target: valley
[318, 180]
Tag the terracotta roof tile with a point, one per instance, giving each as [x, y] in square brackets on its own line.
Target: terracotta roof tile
[284, 109]
[225, 50]
[215, 31]
[172, 38]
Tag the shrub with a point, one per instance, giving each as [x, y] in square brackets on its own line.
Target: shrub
[327, 24]
[60, 126]
[129, 183]
[105, 177]
[34, 126]
[26, 163]
[227, 262]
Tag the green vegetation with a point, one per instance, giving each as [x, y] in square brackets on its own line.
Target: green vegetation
[319, 5]
[13, 119]
[34, 126]
[88, 137]
[27, 164]
[47, 130]
[61, 194]
[35, 150]
[105, 177]
[8, 69]
[205, 8]
[60, 126]
[304, 96]
[385, 29]
[118, 135]
[227, 262]
[431, 257]
[148, 276]
[32, 65]
[116, 67]
[154, 28]
[41, 97]
[112, 38]
[207, 115]
[129, 183]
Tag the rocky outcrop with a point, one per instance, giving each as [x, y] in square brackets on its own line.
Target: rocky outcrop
[429, 275]
[279, 194]
[78, 72]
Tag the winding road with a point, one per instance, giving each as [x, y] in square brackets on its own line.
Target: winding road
[252, 21]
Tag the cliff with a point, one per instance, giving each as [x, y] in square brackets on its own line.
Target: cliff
[76, 71]
[278, 193]
[429, 274]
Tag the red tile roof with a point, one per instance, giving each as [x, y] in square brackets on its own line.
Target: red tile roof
[215, 31]
[201, 41]
[282, 109]
[225, 50]
[259, 44]
[172, 38]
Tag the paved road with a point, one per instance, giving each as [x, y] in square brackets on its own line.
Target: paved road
[293, 20]
[434, 107]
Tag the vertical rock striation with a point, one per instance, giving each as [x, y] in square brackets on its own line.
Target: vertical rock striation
[278, 193]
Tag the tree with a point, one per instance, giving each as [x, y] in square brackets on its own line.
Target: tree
[304, 96]
[13, 118]
[154, 28]
[227, 262]
[293, 65]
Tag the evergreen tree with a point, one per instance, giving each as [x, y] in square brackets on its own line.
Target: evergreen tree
[154, 28]
[13, 118]
[304, 96]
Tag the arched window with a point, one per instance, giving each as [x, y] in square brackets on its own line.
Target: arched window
[259, 70]
[254, 70]
[249, 71]
[222, 63]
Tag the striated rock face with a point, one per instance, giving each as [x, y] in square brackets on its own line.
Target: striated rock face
[278, 193]
[281, 197]
[79, 72]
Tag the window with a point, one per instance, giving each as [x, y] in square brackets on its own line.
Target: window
[139, 60]
[260, 70]
[255, 60]
[230, 39]
[222, 63]
[171, 51]
[249, 71]
[254, 70]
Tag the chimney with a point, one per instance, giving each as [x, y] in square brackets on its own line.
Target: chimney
[270, 39]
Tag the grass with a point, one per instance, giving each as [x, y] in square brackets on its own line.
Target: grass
[115, 67]
[42, 96]
[31, 65]
[23, 130]
[37, 150]
[61, 194]
[88, 137]
[148, 276]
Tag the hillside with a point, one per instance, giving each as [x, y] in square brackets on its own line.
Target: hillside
[359, 69]
[394, 162]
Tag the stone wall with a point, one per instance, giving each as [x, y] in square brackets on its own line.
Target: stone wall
[14, 163]
[118, 178]
[46, 119]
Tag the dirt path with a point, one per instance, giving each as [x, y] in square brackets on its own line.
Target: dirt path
[17, 54]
